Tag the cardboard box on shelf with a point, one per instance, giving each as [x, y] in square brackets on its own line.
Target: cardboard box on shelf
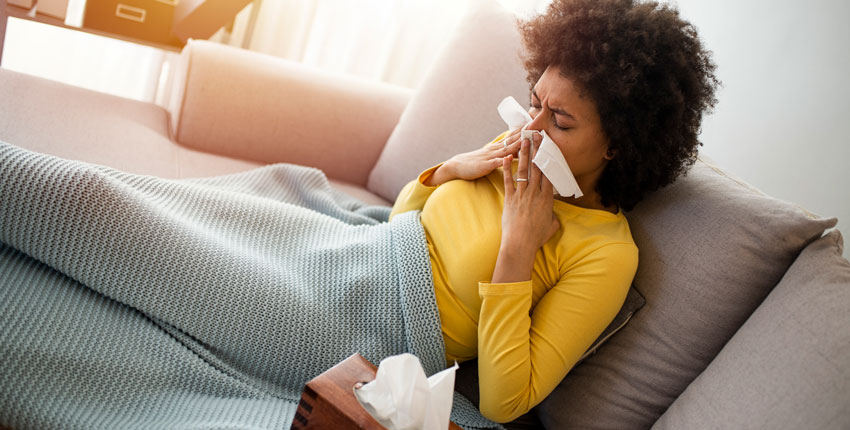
[54, 8]
[21, 3]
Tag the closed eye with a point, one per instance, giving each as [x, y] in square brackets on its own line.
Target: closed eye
[555, 123]
[552, 118]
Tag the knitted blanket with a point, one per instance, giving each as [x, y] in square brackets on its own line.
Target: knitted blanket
[129, 301]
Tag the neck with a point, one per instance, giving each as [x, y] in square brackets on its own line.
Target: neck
[590, 200]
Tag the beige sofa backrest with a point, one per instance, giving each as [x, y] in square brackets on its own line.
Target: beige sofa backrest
[454, 109]
[252, 106]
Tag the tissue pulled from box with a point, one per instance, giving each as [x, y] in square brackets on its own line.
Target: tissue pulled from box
[402, 398]
[549, 158]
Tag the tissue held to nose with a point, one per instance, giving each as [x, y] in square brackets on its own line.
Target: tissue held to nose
[549, 158]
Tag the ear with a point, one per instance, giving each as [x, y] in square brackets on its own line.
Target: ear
[610, 154]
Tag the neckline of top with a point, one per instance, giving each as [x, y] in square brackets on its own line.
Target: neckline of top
[598, 212]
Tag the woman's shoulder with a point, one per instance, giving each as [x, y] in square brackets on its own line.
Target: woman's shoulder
[592, 234]
[600, 224]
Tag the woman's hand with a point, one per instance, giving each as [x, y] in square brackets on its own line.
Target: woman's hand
[527, 218]
[475, 164]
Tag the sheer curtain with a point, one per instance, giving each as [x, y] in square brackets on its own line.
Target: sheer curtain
[393, 41]
[386, 40]
[85, 60]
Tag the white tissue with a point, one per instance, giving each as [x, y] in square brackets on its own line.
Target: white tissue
[512, 113]
[552, 163]
[401, 398]
[549, 158]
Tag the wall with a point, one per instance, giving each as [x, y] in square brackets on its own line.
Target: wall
[82, 59]
[87, 60]
[781, 123]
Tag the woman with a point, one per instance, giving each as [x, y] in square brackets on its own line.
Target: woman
[526, 282]
[132, 301]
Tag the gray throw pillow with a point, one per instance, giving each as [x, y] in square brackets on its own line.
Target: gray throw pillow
[634, 301]
[788, 367]
[711, 249]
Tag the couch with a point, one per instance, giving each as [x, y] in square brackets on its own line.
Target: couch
[747, 315]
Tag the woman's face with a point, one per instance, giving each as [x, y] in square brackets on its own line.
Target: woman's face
[572, 122]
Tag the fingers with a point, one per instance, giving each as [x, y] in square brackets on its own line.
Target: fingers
[506, 145]
[534, 180]
[546, 185]
[514, 134]
[509, 180]
[522, 169]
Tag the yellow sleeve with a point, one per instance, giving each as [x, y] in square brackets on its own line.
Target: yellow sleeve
[522, 357]
[414, 194]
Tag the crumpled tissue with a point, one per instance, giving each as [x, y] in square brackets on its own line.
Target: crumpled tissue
[401, 398]
[549, 158]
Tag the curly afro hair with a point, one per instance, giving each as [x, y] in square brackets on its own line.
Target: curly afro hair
[648, 74]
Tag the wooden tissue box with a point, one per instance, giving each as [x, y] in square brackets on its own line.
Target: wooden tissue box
[328, 401]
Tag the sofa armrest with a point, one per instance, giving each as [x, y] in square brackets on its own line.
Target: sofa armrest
[252, 106]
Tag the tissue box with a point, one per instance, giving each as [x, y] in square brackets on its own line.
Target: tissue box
[328, 401]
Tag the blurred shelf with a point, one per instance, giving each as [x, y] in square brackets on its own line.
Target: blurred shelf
[21, 13]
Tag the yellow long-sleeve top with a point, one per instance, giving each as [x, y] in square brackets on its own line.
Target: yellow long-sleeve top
[526, 335]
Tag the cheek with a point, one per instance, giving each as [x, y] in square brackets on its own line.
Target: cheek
[593, 146]
[581, 152]
[575, 146]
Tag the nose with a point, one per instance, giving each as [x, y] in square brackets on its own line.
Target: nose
[538, 121]
[536, 124]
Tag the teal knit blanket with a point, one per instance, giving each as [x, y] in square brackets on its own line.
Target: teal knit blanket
[129, 301]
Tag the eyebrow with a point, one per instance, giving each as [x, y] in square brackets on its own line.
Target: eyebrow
[558, 111]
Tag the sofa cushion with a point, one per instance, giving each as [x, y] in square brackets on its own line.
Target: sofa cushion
[257, 107]
[80, 124]
[788, 367]
[76, 123]
[454, 109]
[711, 249]
[132, 136]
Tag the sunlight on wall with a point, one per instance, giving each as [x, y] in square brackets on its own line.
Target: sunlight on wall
[98, 63]
[75, 12]
[525, 8]
[390, 41]
[384, 40]
[367, 46]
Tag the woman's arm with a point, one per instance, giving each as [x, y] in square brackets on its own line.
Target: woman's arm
[475, 164]
[528, 220]
[522, 357]
[503, 327]
[415, 193]
[469, 166]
